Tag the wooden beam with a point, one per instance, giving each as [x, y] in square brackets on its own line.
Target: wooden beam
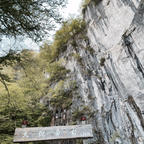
[52, 133]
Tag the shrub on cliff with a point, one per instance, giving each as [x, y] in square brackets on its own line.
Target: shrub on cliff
[57, 72]
[68, 31]
[61, 95]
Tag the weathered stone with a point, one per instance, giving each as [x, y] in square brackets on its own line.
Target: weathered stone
[110, 73]
[113, 89]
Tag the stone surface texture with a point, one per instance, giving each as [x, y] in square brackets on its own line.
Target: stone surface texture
[109, 71]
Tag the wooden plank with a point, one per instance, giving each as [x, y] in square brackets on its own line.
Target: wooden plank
[52, 133]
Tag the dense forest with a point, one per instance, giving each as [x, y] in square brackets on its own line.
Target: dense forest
[30, 77]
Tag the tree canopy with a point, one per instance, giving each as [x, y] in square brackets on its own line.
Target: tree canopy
[39, 84]
[33, 18]
[26, 87]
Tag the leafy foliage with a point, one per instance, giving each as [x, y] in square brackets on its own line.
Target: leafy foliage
[33, 18]
[24, 96]
[67, 32]
[30, 17]
[82, 111]
[61, 96]
[57, 72]
[6, 61]
[102, 61]
[26, 84]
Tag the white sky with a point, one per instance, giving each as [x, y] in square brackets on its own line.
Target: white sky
[71, 10]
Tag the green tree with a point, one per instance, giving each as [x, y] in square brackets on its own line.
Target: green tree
[33, 18]
[25, 91]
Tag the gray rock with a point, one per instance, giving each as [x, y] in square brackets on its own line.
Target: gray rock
[111, 77]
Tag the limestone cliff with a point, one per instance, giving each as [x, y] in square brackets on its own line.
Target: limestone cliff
[107, 64]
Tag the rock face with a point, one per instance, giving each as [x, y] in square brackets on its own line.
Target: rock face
[108, 67]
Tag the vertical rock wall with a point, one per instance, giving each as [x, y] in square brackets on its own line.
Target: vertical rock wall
[107, 64]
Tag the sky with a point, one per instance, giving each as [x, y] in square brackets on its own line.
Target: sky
[71, 10]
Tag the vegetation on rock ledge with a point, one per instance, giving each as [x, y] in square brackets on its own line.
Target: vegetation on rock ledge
[67, 32]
